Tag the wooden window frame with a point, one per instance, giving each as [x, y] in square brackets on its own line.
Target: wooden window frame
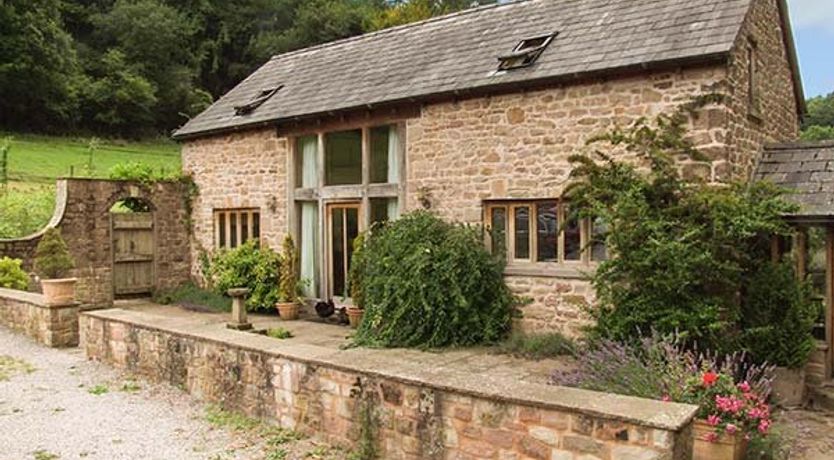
[509, 206]
[227, 221]
[325, 195]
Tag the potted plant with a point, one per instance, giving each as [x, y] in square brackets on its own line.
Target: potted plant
[288, 283]
[52, 264]
[356, 309]
[729, 415]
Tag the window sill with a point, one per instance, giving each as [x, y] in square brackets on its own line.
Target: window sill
[566, 271]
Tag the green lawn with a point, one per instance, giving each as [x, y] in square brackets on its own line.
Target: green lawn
[34, 162]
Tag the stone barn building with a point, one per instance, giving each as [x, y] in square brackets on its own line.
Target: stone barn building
[474, 115]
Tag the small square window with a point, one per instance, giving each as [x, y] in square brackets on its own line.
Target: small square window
[233, 227]
[525, 52]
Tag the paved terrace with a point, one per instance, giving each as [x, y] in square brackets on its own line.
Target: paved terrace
[473, 371]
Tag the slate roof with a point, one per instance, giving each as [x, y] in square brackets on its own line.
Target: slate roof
[807, 168]
[456, 54]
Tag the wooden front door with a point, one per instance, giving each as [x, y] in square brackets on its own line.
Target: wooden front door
[343, 222]
[133, 253]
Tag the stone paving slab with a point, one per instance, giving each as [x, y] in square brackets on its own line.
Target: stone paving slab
[468, 371]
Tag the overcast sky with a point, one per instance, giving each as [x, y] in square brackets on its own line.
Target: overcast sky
[813, 24]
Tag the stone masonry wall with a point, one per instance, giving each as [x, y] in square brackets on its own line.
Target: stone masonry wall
[777, 119]
[25, 312]
[415, 421]
[241, 170]
[85, 226]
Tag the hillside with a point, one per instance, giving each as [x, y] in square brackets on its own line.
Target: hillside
[34, 162]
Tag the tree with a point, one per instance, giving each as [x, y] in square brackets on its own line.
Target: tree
[39, 72]
[401, 12]
[159, 43]
[820, 111]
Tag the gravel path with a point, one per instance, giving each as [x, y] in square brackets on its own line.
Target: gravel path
[54, 404]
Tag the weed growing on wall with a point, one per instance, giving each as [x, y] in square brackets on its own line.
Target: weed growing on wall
[430, 283]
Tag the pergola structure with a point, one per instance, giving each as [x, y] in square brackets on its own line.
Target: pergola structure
[807, 169]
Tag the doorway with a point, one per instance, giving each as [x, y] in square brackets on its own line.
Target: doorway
[343, 222]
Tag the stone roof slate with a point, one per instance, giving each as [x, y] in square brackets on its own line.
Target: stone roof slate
[458, 53]
[807, 169]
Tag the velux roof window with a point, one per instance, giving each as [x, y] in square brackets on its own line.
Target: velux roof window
[525, 52]
[260, 97]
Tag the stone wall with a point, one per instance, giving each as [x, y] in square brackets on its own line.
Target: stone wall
[241, 170]
[776, 119]
[50, 325]
[83, 216]
[303, 389]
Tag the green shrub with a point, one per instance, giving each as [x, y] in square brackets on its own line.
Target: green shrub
[279, 333]
[683, 250]
[52, 258]
[249, 265]
[11, 275]
[139, 172]
[429, 283]
[537, 345]
[357, 270]
[289, 289]
[190, 293]
[778, 314]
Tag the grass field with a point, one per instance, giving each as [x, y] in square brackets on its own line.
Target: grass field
[34, 162]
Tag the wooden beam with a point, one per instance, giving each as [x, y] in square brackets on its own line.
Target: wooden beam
[829, 298]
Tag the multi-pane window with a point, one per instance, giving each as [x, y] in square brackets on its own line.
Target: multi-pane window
[233, 227]
[543, 231]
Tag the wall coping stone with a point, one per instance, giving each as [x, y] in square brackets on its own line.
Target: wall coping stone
[32, 298]
[645, 412]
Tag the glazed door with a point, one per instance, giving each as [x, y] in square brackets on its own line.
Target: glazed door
[342, 228]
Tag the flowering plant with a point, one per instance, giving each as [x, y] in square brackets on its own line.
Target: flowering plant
[726, 406]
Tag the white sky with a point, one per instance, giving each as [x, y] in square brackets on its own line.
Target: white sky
[813, 14]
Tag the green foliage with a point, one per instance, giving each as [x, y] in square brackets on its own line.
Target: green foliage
[407, 11]
[818, 133]
[279, 333]
[140, 172]
[358, 265]
[777, 445]
[778, 314]
[820, 111]
[39, 71]
[249, 265]
[537, 346]
[191, 294]
[683, 251]
[430, 283]
[25, 211]
[52, 258]
[5, 147]
[289, 288]
[98, 390]
[12, 275]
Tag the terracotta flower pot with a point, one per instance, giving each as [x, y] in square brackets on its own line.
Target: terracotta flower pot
[59, 291]
[288, 311]
[355, 316]
[725, 447]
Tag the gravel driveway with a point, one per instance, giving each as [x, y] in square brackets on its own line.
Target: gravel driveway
[54, 404]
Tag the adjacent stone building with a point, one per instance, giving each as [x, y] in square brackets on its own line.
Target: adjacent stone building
[474, 115]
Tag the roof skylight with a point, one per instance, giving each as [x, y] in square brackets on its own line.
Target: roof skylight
[525, 52]
[261, 97]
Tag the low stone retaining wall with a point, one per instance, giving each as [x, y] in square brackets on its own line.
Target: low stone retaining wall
[347, 396]
[26, 312]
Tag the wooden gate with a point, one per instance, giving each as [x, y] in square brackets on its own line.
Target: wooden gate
[133, 253]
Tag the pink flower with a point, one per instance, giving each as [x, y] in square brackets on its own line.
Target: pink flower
[744, 387]
[764, 426]
[666, 398]
[731, 429]
[713, 420]
[729, 404]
